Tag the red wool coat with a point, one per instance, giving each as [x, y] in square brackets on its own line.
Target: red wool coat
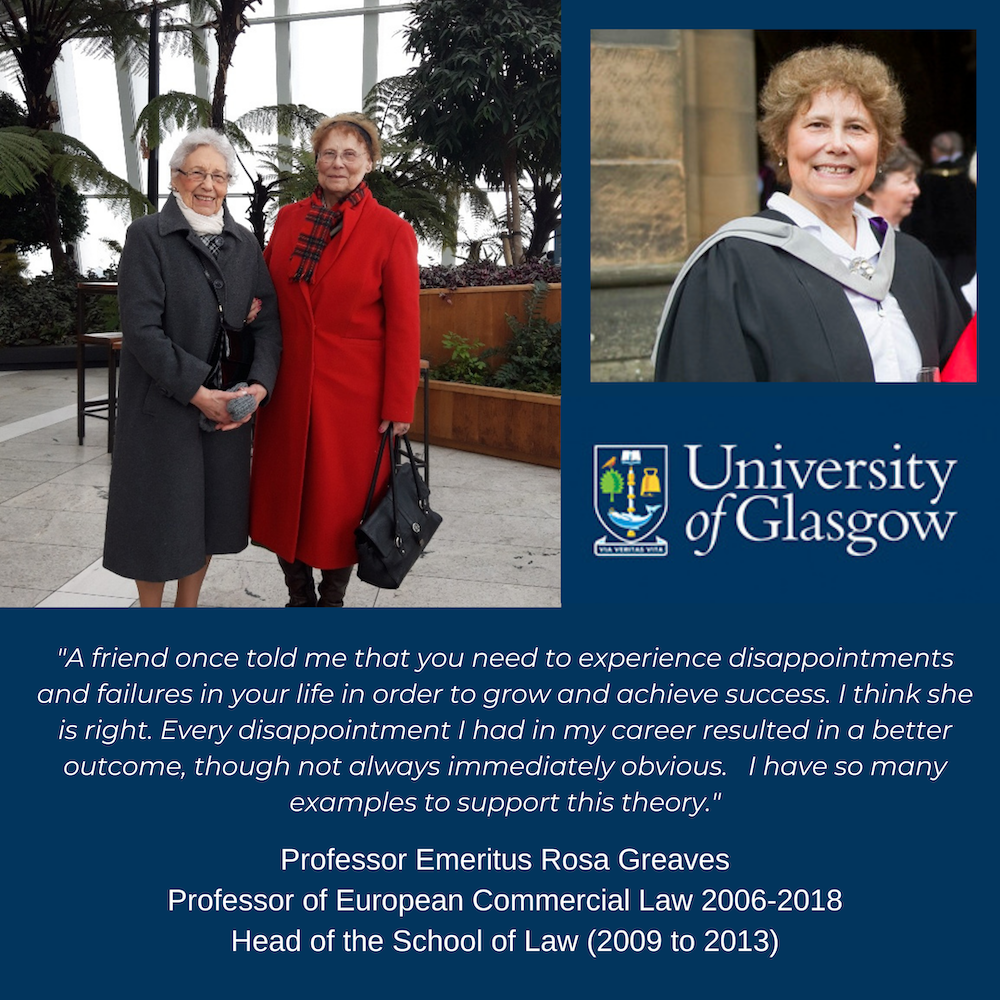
[351, 359]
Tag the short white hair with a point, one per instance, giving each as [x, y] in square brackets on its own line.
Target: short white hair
[204, 137]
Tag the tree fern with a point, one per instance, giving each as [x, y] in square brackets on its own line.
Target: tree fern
[20, 156]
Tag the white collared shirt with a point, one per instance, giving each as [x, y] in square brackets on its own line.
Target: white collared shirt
[969, 291]
[893, 348]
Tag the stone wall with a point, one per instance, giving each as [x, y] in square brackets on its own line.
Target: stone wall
[673, 156]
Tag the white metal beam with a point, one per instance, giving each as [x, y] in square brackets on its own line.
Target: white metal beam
[320, 15]
[126, 110]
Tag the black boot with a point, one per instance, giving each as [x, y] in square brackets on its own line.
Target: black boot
[333, 586]
[299, 580]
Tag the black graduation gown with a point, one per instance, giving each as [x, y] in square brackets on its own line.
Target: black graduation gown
[748, 312]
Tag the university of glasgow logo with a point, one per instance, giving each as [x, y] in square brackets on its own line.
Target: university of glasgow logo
[630, 499]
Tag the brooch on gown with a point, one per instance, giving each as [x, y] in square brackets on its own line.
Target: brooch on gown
[862, 266]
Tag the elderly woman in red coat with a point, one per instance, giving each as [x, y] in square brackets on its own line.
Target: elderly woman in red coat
[345, 271]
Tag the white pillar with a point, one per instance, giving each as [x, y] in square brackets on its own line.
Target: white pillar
[201, 80]
[369, 50]
[282, 66]
[64, 93]
[126, 110]
[282, 53]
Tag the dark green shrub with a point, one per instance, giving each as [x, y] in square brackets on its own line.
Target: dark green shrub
[533, 355]
[42, 310]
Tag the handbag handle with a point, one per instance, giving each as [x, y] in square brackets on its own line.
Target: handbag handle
[378, 465]
[392, 481]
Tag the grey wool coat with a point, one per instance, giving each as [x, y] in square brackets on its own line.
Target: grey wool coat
[177, 493]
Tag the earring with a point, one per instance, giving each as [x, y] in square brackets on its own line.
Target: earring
[781, 161]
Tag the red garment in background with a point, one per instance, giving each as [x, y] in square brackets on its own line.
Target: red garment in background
[961, 366]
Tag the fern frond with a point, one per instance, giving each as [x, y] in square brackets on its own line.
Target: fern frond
[22, 159]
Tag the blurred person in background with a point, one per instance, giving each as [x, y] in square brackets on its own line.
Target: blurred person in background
[895, 187]
[944, 217]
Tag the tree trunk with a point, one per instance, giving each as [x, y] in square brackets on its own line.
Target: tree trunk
[42, 114]
[230, 27]
[545, 217]
[257, 212]
[48, 203]
[512, 194]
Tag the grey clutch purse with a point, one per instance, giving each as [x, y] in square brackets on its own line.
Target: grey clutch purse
[238, 408]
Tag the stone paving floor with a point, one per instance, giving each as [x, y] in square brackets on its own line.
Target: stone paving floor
[498, 546]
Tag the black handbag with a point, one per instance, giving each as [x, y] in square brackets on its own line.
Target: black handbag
[392, 536]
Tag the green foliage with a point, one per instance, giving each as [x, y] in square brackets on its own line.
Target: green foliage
[532, 356]
[465, 364]
[289, 172]
[69, 161]
[405, 181]
[612, 483]
[484, 98]
[295, 122]
[289, 168]
[20, 157]
[176, 111]
[32, 36]
[408, 181]
[12, 266]
[487, 81]
[20, 220]
[43, 310]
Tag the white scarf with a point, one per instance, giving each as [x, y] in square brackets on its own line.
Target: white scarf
[203, 225]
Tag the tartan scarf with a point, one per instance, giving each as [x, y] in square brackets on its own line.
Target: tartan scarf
[323, 224]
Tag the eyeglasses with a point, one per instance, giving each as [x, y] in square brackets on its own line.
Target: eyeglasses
[348, 156]
[198, 176]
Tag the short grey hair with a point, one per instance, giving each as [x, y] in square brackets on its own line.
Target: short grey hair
[204, 137]
[948, 143]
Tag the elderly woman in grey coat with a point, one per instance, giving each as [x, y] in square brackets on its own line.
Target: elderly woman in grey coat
[200, 351]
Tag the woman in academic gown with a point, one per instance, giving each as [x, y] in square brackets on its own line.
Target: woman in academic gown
[811, 289]
[345, 271]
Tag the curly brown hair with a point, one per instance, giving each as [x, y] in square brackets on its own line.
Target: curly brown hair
[794, 82]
